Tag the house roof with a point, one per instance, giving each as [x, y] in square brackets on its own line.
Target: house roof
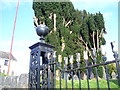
[5, 55]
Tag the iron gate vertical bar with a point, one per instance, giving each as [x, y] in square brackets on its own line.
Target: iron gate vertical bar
[117, 66]
[118, 71]
[66, 80]
[79, 80]
[66, 76]
[44, 76]
[88, 80]
[65, 66]
[78, 64]
[52, 72]
[30, 79]
[118, 60]
[72, 76]
[54, 69]
[49, 75]
[38, 59]
[106, 71]
[87, 76]
[60, 79]
[60, 68]
[60, 75]
[107, 76]
[41, 72]
[72, 81]
[71, 65]
[96, 71]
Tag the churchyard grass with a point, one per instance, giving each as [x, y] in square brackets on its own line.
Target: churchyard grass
[93, 84]
[2, 74]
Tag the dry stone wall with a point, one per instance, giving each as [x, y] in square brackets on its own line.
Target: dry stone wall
[14, 81]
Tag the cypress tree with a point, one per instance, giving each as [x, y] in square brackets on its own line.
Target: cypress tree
[75, 30]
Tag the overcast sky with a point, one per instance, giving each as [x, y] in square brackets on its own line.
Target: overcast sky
[25, 34]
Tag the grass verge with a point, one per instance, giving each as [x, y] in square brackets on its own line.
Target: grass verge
[93, 83]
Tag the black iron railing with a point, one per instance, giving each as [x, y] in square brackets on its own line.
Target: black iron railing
[48, 75]
[95, 65]
[43, 66]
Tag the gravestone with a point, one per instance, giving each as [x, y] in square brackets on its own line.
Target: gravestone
[83, 76]
[104, 74]
[91, 76]
[23, 81]
[65, 75]
[90, 73]
[2, 79]
[8, 80]
[15, 81]
[68, 76]
[57, 75]
[75, 77]
[99, 78]
[113, 75]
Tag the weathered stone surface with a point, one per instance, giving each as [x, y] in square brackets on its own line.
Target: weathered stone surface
[14, 81]
[1, 80]
[83, 76]
[113, 75]
[104, 74]
[8, 80]
[91, 76]
[23, 81]
[75, 77]
[57, 75]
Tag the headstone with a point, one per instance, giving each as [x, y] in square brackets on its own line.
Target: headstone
[64, 75]
[23, 81]
[90, 73]
[68, 76]
[8, 80]
[91, 76]
[1, 80]
[104, 74]
[75, 77]
[14, 81]
[57, 75]
[99, 78]
[83, 76]
[113, 75]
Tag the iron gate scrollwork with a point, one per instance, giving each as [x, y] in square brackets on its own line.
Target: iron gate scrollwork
[42, 66]
[34, 69]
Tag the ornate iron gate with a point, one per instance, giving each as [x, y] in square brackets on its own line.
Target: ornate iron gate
[42, 66]
[42, 70]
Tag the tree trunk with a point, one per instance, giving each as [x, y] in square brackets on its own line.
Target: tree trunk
[63, 21]
[69, 22]
[63, 44]
[54, 22]
[100, 35]
[81, 39]
[94, 39]
[97, 41]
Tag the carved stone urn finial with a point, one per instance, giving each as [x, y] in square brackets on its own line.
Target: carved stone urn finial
[42, 30]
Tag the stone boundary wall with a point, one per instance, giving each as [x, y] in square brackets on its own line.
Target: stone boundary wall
[14, 81]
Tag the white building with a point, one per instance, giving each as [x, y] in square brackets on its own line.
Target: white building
[4, 62]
